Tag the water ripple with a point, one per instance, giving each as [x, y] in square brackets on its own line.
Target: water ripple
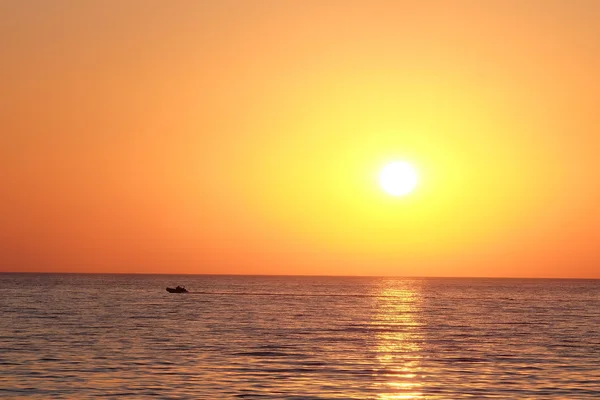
[75, 337]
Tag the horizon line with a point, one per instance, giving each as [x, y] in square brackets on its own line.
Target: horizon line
[295, 275]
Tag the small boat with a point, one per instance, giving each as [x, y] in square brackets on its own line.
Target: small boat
[178, 289]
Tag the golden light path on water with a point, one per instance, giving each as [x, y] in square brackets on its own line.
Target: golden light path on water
[398, 341]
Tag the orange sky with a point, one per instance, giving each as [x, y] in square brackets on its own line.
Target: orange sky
[246, 137]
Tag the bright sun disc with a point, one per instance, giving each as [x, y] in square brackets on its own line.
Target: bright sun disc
[398, 178]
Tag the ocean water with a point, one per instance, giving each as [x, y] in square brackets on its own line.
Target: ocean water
[70, 336]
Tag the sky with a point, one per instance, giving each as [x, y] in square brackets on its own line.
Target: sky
[246, 137]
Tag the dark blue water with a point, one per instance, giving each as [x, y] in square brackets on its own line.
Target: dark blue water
[86, 336]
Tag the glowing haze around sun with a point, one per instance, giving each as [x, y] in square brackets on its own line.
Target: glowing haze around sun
[398, 178]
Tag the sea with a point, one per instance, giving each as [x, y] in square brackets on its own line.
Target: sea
[84, 336]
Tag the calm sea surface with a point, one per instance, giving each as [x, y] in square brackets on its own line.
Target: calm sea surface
[86, 336]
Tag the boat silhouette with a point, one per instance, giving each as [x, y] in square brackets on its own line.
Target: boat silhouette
[178, 289]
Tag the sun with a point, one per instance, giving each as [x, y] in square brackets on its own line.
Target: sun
[398, 178]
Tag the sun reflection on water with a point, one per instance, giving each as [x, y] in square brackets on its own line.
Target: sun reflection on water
[398, 340]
